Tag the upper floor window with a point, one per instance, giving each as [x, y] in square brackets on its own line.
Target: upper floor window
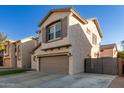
[88, 31]
[94, 39]
[54, 31]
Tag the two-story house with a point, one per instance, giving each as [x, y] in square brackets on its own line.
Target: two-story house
[17, 54]
[66, 39]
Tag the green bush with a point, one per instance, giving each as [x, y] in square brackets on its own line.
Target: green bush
[14, 71]
[121, 54]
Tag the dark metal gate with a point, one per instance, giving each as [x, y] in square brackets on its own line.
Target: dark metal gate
[101, 65]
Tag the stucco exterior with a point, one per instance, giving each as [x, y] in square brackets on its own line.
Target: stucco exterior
[81, 42]
[24, 58]
[9, 59]
[77, 45]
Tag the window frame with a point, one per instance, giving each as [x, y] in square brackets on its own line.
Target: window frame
[88, 31]
[54, 32]
[94, 39]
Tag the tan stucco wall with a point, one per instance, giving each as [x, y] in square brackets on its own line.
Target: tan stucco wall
[35, 64]
[10, 56]
[115, 52]
[81, 42]
[26, 49]
[13, 56]
[19, 63]
[95, 48]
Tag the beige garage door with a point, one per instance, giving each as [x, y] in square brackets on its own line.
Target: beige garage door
[56, 64]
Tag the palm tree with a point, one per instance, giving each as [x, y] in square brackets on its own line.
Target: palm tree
[3, 37]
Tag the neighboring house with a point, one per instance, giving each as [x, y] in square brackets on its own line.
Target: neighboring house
[9, 59]
[108, 50]
[66, 39]
[24, 48]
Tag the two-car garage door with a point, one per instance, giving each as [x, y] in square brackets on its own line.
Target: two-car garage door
[54, 64]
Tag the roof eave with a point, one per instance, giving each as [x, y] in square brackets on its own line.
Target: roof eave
[64, 10]
[98, 27]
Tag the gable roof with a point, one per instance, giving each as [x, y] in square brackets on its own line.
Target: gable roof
[97, 26]
[64, 10]
[24, 39]
[108, 46]
[75, 14]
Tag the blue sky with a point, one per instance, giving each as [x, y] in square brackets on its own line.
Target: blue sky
[22, 21]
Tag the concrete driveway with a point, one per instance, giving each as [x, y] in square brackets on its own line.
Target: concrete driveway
[26, 80]
[33, 79]
[84, 80]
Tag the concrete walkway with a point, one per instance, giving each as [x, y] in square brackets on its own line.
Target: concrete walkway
[84, 80]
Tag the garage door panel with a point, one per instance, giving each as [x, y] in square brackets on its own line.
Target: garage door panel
[56, 64]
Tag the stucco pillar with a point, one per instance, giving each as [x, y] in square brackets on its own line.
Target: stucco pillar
[71, 69]
[38, 64]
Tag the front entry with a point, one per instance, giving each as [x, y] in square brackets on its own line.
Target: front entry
[54, 64]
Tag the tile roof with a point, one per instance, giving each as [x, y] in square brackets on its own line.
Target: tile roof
[108, 46]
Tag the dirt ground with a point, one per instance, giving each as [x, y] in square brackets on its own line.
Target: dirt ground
[118, 82]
